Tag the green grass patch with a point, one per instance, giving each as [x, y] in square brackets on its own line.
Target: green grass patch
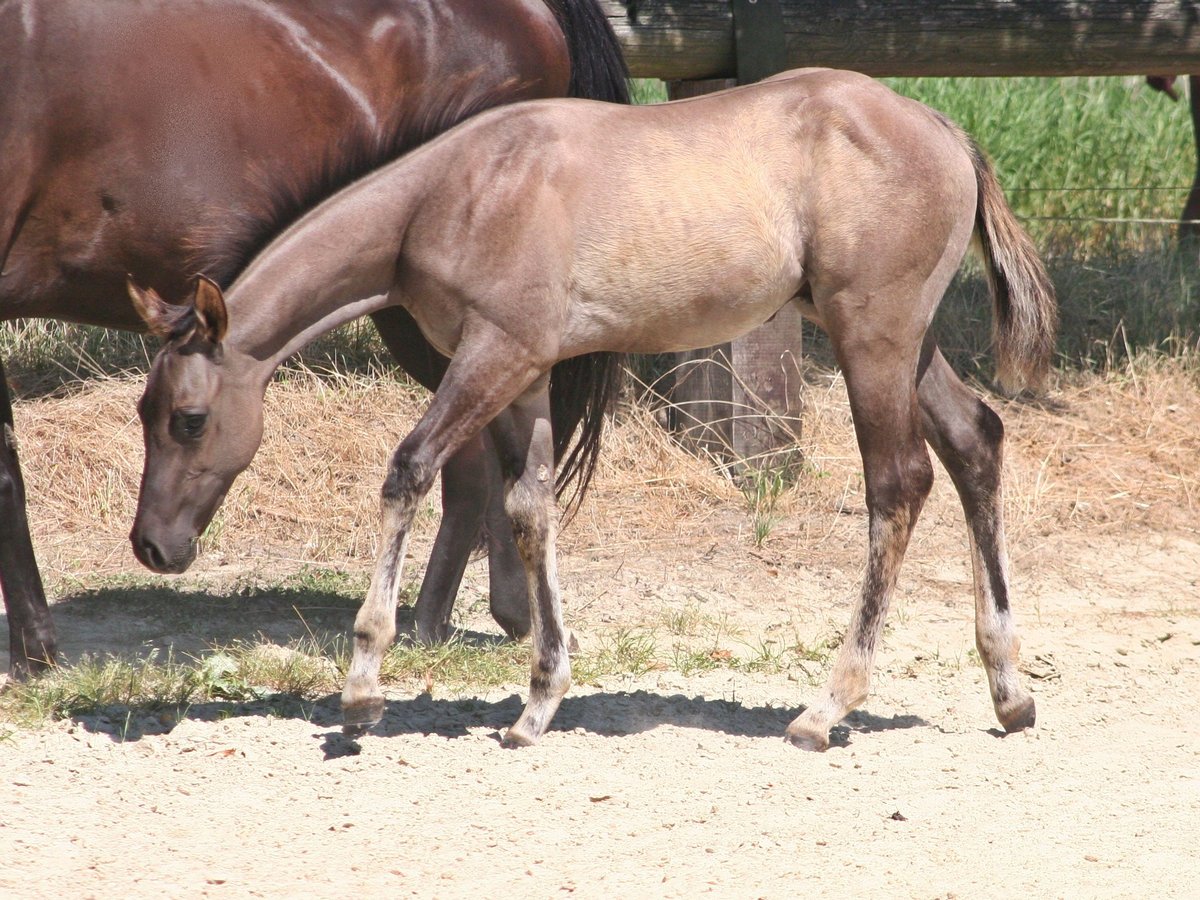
[764, 486]
[125, 692]
[1112, 310]
[1074, 152]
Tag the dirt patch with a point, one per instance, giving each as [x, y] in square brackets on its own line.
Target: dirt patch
[662, 784]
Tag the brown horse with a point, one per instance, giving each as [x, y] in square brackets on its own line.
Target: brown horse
[554, 228]
[1189, 219]
[166, 138]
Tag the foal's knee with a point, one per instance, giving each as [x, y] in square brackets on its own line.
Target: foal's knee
[408, 480]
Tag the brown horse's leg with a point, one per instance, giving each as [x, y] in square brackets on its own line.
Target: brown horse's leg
[968, 438]
[1189, 224]
[470, 488]
[470, 479]
[32, 641]
[523, 437]
[508, 585]
[458, 533]
[880, 379]
[482, 379]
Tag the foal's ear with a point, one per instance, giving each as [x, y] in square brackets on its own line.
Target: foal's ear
[156, 312]
[209, 303]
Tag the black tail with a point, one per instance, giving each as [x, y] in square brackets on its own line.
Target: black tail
[584, 388]
[598, 69]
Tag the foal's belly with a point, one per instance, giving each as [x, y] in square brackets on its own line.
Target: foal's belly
[676, 319]
[681, 304]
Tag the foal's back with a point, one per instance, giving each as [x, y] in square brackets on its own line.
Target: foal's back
[683, 224]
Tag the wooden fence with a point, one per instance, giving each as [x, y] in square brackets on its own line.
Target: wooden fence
[742, 399]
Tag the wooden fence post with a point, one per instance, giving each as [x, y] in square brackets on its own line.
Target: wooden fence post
[739, 401]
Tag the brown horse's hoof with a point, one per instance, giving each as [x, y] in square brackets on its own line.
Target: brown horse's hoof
[806, 739]
[26, 668]
[1021, 716]
[432, 635]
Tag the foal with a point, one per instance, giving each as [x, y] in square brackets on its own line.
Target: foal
[555, 228]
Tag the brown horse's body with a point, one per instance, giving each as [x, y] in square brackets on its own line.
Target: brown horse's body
[168, 137]
[580, 228]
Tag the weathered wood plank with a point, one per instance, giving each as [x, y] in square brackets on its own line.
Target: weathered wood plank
[740, 401]
[687, 39]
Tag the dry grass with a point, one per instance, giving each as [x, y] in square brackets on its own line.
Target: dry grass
[1110, 451]
[310, 495]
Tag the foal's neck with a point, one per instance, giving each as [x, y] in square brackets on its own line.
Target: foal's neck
[334, 265]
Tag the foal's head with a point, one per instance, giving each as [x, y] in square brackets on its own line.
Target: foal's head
[202, 423]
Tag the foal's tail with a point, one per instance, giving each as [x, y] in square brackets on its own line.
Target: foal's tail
[583, 389]
[1026, 312]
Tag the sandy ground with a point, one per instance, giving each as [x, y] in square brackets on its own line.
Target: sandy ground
[665, 785]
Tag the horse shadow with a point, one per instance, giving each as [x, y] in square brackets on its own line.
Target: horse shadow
[615, 714]
[611, 714]
[142, 620]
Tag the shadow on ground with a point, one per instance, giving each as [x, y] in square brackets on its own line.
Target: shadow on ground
[610, 714]
[137, 620]
[141, 619]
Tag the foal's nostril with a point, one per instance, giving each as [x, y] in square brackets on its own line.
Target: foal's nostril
[151, 555]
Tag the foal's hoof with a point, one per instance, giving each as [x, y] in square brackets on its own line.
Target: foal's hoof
[806, 738]
[359, 716]
[1019, 716]
[517, 738]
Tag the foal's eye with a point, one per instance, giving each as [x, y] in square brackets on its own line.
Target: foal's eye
[188, 425]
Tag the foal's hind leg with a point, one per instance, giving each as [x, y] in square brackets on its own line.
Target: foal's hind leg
[523, 438]
[968, 438]
[880, 379]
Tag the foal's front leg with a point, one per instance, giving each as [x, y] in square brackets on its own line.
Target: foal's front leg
[409, 479]
[523, 437]
[487, 372]
[470, 489]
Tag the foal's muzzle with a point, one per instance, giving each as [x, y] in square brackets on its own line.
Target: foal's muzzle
[162, 558]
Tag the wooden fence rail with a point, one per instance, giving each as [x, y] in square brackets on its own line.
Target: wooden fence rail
[694, 39]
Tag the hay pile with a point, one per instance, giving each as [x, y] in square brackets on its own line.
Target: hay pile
[1122, 451]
